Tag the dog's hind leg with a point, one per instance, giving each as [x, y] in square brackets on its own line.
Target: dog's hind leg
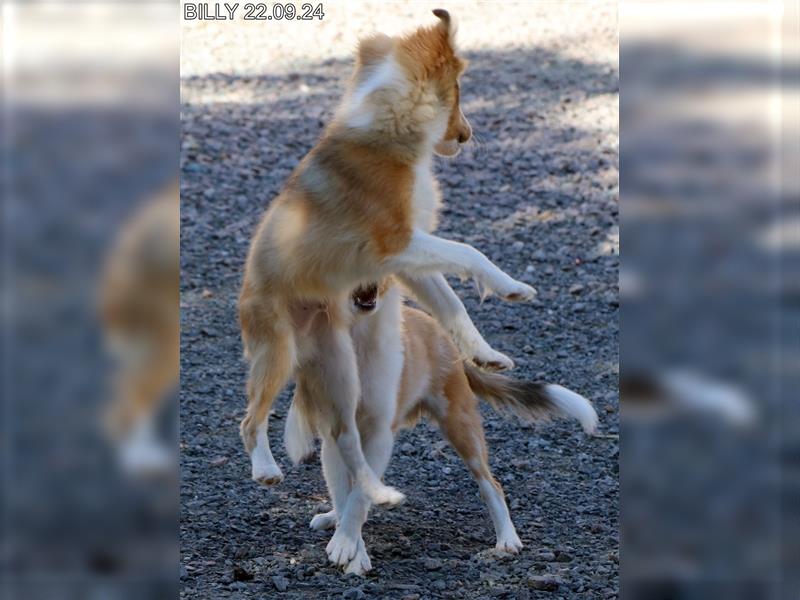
[378, 442]
[381, 365]
[379, 352]
[337, 478]
[269, 345]
[338, 374]
[462, 427]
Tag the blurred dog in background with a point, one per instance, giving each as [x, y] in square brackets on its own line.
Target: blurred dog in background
[140, 313]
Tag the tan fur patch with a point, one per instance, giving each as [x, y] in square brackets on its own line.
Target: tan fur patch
[376, 190]
[429, 355]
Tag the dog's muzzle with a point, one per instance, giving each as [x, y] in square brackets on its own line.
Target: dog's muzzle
[365, 298]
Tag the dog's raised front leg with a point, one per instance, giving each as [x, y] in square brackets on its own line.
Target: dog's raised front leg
[427, 254]
[433, 292]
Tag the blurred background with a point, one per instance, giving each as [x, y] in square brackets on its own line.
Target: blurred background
[90, 128]
[709, 351]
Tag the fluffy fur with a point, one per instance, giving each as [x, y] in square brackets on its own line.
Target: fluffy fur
[408, 368]
[358, 207]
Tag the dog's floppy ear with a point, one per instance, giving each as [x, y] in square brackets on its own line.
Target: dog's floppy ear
[374, 49]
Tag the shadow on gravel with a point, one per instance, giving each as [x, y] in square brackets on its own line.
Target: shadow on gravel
[537, 192]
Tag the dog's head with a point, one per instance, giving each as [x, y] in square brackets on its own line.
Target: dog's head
[411, 84]
[445, 69]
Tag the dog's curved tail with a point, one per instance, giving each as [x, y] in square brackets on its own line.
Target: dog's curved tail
[298, 435]
[530, 401]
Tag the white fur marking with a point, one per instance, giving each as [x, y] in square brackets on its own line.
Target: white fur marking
[426, 195]
[342, 547]
[507, 538]
[438, 297]
[700, 393]
[337, 477]
[387, 74]
[573, 405]
[142, 453]
[265, 470]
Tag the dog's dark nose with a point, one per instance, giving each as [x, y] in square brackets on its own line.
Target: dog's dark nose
[463, 138]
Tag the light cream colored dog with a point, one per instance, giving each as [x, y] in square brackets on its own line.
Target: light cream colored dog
[409, 367]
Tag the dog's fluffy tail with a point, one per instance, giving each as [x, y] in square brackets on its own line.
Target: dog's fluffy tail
[530, 401]
[298, 436]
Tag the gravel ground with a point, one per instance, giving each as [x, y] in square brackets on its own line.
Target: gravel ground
[537, 192]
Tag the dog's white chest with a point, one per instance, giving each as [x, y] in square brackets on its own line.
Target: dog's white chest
[426, 196]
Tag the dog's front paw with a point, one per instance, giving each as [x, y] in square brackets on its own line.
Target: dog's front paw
[323, 521]
[509, 543]
[519, 292]
[385, 494]
[488, 358]
[505, 286]
[360, 563]
[342, 547]
[471, 344]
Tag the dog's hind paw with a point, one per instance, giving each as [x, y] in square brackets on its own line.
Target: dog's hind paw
[360, 563]
[342, 548]
[323, 521]
[267, 474]
[268, 480]
[509, 543]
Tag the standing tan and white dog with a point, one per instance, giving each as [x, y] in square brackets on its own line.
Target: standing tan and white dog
[360, 206]
[409, 367]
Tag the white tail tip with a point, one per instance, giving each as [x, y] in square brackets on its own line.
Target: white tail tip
[574, 405]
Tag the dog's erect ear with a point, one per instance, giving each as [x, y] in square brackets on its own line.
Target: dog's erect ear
[374, 49]
[444, 16]
[446, 23]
